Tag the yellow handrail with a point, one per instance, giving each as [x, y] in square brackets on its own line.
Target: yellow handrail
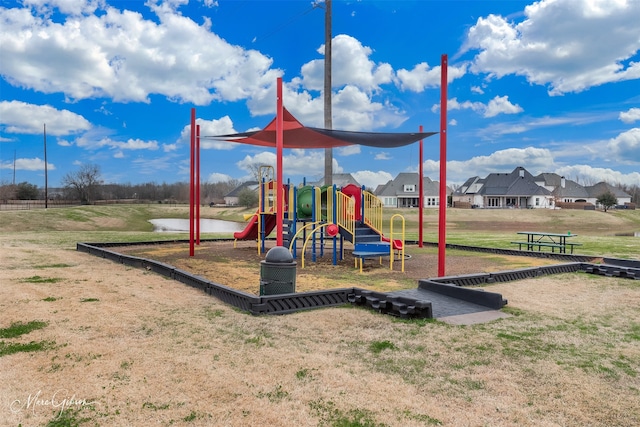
[318, 202]
[373, 211]
[345, 213]
[330, 204]
[391, 239]
[295, 236]
[304, 247]
[265, 176]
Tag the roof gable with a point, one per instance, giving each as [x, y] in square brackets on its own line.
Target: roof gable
[517, 183]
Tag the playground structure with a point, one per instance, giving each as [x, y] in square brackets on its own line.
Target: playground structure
[315, 216]
[285, 131]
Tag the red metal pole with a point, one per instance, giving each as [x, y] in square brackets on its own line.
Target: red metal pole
[279, 144]
[442, 221]
[197, 185]
[421, 200]
[191, 213]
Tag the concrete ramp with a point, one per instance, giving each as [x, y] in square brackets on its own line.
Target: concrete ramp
[457, 305]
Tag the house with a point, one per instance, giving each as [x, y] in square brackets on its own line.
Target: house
[339, 180]
[569, 191]
[595, 191]
[233, 198]
[468, 194]
[566, 190]
[403, 192]
[500, 190]
[521, 189]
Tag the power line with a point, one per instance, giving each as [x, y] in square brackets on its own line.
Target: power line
[285, 24]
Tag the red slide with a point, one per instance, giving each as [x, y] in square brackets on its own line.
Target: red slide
[397, 244]
[251, 230]
[355, 193]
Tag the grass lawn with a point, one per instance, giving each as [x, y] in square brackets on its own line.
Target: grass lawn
[85, 341]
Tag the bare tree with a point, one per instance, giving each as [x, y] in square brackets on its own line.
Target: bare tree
[83, 182]
[7, 191]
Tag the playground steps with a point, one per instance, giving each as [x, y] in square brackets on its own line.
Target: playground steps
[363, 234]
[287, 232]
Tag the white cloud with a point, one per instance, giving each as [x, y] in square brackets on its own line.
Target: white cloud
[453, 122]
[70, 7]
[630, 116]
[97, 139]
[216, 177]
[454, 104]
[498, 105]
[221, 126]
[132, 144]
[35, 164]
[501, 105]
[568, 46]
[351, 65]
[149, 166]
[349, 150]
[535, 160]
[498, 129]
[123, 56]
[22, 118]
[372, 179]
[477, 89]
[588, 175]
[301, 163]
[353, 108]
[626, 146]
[422, 77]
[382, 156]
[167, 148]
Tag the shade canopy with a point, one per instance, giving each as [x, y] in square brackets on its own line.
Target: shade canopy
[296, 135]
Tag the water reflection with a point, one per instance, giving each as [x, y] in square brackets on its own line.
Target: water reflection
[633, 234]
[174, 225]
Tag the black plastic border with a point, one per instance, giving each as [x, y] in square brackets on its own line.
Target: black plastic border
[272, 304]
[402, 306]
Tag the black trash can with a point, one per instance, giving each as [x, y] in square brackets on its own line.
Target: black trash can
[278, 272]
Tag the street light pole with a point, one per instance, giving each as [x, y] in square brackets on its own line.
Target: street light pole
[46, 178]
[328, 122]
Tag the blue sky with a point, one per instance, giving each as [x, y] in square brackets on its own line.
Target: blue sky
[553, 86]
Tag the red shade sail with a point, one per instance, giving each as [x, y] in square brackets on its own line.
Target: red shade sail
[296, 135]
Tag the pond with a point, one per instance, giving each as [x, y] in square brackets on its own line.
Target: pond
[174, 225]
[633, 234]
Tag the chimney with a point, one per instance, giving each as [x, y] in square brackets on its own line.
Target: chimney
[521, 173]
[562, 182]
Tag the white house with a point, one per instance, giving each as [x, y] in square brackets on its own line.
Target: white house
[403, 191]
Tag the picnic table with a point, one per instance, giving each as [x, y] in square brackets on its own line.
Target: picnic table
[542, 239]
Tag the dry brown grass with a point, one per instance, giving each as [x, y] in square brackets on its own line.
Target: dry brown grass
[147, 350]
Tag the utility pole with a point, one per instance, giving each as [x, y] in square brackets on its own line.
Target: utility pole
[328, 122]
[46, 177]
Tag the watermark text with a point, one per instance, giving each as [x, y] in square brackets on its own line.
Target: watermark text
[60, 400]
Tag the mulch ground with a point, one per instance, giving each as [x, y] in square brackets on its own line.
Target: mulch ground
[239, 267]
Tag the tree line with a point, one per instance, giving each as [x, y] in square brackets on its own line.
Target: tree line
[86, 185]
